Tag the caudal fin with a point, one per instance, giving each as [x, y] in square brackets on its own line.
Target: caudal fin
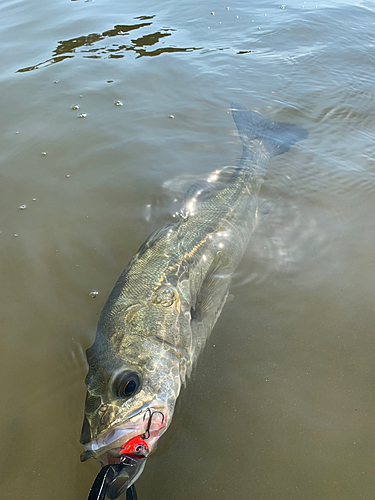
[276, 137]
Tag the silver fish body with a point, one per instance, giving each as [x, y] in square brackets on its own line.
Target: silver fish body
[167, 300]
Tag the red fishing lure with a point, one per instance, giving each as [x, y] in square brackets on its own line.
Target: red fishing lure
[135, 447]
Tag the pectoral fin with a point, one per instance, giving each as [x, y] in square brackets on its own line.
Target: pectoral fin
[212, 294]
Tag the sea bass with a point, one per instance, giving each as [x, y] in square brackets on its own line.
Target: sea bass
[166, 302]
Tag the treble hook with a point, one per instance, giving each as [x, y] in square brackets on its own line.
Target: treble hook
[147, 433]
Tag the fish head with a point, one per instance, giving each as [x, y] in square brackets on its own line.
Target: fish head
[134, 379]
[129, 396]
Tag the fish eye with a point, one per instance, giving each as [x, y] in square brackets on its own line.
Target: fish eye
[126, 384]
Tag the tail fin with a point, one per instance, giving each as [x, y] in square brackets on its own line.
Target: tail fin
[277, 137]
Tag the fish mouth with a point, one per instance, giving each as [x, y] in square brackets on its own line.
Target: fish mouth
[150, 423]
[123, 449]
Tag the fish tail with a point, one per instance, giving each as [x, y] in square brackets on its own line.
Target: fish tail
[254, 129]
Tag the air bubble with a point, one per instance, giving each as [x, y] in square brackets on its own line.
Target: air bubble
[118, 103]
[22, 207]
[44, 153]
[93, 294]
[82, 115]
[75, 106]
[171, 116]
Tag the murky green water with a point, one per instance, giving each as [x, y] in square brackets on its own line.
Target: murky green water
[281, 403]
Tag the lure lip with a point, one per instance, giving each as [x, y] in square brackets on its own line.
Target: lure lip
[112, 480]
[116, 488]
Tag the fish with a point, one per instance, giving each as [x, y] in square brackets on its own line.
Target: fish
[166, 302]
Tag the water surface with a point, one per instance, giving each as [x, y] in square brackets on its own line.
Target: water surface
[281, 403]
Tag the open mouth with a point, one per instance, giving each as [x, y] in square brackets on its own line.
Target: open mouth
[123, 451]
[110, 445]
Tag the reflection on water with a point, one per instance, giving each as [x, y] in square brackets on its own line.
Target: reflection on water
[69, 48]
